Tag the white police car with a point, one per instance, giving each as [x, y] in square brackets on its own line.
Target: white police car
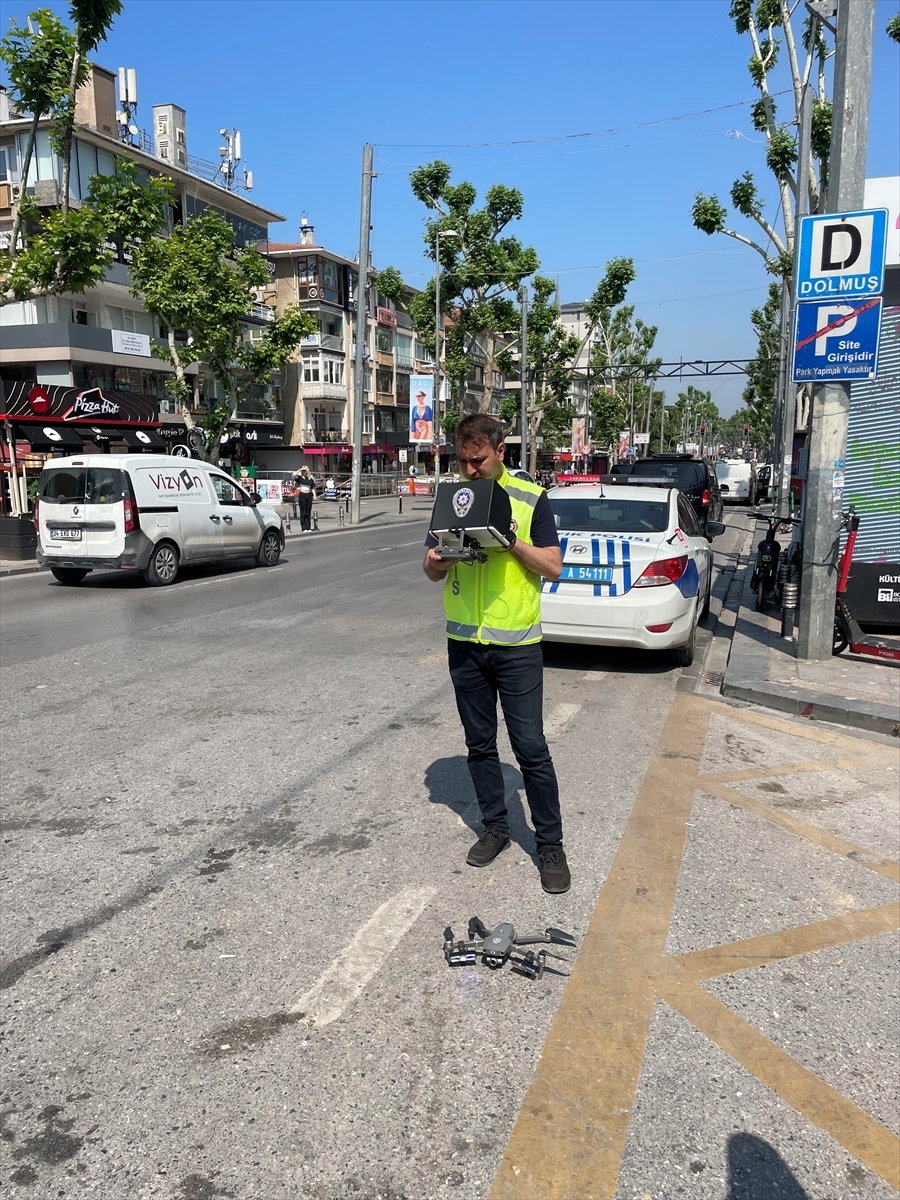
[637, 569]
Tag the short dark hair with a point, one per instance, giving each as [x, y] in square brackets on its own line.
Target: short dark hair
[476, 428]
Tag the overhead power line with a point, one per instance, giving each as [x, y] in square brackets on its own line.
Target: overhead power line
[568, 137]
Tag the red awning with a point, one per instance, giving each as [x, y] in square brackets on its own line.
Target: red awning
[327, 450]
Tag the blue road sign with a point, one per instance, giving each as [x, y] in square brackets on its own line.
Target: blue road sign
[842, 254]
[836, 340]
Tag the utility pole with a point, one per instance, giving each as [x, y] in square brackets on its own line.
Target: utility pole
[523, 379]
[788, 406]
[830, 411]
[362, 322]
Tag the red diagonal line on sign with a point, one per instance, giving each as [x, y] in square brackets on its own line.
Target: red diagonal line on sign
[838, 323]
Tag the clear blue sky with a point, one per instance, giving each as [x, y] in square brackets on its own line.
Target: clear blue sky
[308, 83]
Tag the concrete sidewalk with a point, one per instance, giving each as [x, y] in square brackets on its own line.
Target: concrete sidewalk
[332, 515]
[762, 668]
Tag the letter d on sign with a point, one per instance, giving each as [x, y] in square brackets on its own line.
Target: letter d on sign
[849, 242]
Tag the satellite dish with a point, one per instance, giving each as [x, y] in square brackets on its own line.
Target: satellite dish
[133, 130]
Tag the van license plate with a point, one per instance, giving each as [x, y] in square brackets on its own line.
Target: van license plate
[588, 574]
[65, 535]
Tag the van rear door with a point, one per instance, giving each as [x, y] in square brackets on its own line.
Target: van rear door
[61, 492]
[81, 511]
[106, 497]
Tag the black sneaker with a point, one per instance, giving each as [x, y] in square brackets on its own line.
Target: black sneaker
[555, 875]
[488, 846]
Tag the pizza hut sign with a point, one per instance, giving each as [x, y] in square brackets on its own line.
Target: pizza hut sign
[92, 404]
[26, 399]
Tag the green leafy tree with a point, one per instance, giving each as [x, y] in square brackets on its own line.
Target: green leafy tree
[621, 372]
[481, 270]
[693, 408]
[551, 353]
[200, 288]
[66, 249]
[806, 53]
[762, 371]
[892, 29]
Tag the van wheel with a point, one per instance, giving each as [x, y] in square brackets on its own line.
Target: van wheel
[70, 576]
[269, 549]
[162, 568]
[683, 656]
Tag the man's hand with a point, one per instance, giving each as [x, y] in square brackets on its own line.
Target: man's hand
[545, 561]
[434, 566]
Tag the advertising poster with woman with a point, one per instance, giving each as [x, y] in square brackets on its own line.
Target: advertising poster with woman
[421, 408]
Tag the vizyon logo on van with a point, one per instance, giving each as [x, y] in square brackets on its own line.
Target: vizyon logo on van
[174, 485]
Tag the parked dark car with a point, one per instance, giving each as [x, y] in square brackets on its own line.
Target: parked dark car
[693, 476]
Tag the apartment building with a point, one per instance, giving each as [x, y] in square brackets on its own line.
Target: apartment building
[317, 387]
[84, 366]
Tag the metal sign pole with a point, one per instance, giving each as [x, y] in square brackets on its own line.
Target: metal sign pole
[362, 322]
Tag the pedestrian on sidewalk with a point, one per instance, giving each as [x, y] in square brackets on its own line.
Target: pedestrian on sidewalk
[494, 649]
[305, 492]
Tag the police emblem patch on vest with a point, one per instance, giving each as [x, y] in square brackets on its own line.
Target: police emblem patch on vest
[462, 501]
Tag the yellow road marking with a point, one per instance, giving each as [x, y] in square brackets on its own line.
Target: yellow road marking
[811, 833]
[569, 1138]
[787, 943]
[570, 1135]
[826, 737]
[845, 1121]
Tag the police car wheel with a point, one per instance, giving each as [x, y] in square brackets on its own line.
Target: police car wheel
[269, 549]
[162, 568]
[704, 611]
[683, 656]
[70, 576]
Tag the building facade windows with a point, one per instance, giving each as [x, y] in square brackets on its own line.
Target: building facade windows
[384, 340]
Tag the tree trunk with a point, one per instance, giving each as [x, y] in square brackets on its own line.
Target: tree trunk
[23, 183]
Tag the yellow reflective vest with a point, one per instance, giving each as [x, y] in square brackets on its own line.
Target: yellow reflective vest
[498, 602]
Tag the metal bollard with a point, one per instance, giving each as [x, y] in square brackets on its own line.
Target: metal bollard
[790, 593]
[400, 513]
[340, 516]
[315, 519]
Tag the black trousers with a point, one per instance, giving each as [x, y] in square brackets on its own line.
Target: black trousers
[305, 503]
[516, 674]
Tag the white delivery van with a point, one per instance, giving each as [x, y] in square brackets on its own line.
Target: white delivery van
[147, 513]
[737, 481]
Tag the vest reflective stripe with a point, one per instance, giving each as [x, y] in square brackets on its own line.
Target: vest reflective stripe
[516, 493]
[511, 637]
[499, 601]
[455, 629]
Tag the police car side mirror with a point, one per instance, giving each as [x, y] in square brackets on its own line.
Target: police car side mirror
[714, 529]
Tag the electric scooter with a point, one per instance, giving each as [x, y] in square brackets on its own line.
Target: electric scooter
[846, 628]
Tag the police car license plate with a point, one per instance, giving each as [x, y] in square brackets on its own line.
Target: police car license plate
[588, 574]
[65, 535]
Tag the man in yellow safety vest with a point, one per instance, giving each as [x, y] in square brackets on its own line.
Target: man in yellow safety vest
[494, 647]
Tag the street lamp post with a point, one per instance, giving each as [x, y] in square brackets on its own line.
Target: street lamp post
[436, 400]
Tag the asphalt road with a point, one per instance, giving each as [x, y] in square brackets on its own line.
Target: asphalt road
[234, 830]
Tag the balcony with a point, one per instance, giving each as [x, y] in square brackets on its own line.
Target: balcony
[325, 437]
[405, 362]
[327, 341]
[262, 312]
[323, 391]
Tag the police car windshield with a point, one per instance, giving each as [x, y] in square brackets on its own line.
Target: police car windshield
[611, 515]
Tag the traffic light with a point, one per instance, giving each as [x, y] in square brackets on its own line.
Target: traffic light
[746, 429]
[703, 429]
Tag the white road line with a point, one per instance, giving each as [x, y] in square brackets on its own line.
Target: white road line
[345, 979]
[558, 720]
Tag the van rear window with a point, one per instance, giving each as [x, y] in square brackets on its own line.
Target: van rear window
[683, 474]
[94, 485]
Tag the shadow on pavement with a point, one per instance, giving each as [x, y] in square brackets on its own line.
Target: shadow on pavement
[448, 783]
[756, 1171]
